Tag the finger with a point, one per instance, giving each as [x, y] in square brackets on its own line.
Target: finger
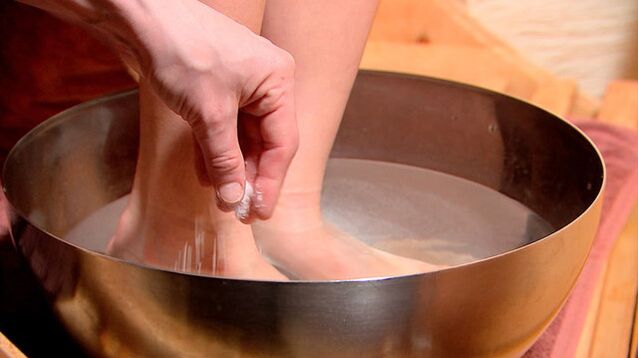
[251, 146]
[216, 135]
[279, 141]
[250, 142]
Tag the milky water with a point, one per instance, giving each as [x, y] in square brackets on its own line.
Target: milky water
[405, 210]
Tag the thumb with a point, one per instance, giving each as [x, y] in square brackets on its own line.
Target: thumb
[217, 139]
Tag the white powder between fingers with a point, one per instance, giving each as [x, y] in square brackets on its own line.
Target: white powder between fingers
[243, 208]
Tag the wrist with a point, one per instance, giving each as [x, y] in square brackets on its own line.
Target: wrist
[152, 29]
[171, 33]
[123, 22]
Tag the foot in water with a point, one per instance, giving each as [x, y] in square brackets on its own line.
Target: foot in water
[171, 220]
[300, 243]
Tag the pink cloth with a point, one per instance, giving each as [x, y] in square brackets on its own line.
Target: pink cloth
[619, 148]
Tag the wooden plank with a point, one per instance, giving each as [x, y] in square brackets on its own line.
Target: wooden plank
[447, 23]
[557, 96]
[584, 343]
[612, 335]
[8, 350]
[450, 62]
[584, 107]
[620, 104]
[436, 21]
[400, 21]
[634, 335]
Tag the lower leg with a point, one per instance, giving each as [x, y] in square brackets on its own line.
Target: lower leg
[326, 38]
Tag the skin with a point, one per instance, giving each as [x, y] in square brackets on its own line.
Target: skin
[214, 95]
[296, 238]
[190, 53]
[168, 207]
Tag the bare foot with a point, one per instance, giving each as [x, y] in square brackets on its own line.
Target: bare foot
[190, 244]
[298, 241]
[171, 220]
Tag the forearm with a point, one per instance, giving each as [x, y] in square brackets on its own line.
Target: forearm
[110, 20]
[109, 14]
[69, 10]
[141, 29]
[207, 68]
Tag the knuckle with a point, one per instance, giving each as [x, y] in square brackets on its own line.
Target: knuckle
[211, 118]
[274, 98]
[225, 163]
[191, 111]
[198, 125]
[284, 62]
[218, 111]
[185, 109]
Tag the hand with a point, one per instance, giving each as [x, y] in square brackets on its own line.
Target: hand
[232, 87]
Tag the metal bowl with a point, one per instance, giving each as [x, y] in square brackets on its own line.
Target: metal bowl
[84, 158]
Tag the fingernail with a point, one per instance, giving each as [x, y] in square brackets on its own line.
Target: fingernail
[231, 193]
